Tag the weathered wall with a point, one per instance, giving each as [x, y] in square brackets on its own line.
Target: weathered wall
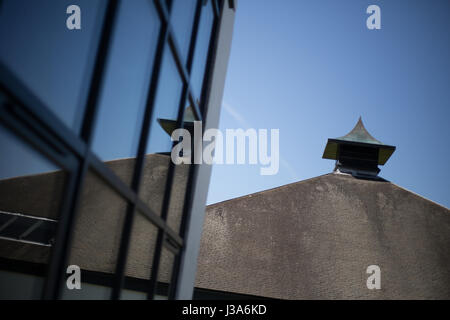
[314, 240]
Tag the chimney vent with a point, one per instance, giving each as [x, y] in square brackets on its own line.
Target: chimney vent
[358, 153]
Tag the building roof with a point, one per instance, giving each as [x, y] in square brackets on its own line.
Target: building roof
[314, 239]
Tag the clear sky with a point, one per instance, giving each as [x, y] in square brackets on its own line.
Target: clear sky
[310, 68]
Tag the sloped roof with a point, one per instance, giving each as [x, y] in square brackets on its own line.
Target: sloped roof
[314, 239]
[311, 239]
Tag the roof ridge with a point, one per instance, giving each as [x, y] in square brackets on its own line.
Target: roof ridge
[270, 189]
[420, 196]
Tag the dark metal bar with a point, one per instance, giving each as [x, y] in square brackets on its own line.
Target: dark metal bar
[37, 111]
[139, 166]
[63, 160]
[39, 230]
[192, 43]
[171, 172]
[232, 4]
[61, 250]
[169, 245]
[212, 53]
[8, 223]
[181, 68]
[33, 227]
[184, 221]
[111, 179]
[176, 51]
[171, 233]
[216, 8]
[91, 109]
[192, 179]
[55, 270]
[165, 6]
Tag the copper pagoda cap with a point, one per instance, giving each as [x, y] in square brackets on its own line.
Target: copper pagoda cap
[358, 137]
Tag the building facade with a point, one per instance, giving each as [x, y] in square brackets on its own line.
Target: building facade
[85, 172]
[321, 238]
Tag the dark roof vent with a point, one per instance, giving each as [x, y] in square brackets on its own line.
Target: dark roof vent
[358, 153]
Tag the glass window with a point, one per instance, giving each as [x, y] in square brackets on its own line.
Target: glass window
[182, 19]
[202, 48]
[24, 171]
[55, 63]
[166, 104]
[165, 111]
[30, 197]
[18, 159]
[181, 177]
[177, 196]
[142, 248]
[98, 227]
[126, 85]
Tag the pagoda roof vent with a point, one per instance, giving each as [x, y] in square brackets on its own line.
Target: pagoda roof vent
[358, 153]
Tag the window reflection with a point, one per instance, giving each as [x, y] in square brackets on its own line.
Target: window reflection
[157, 159]
[182, 20]
[98, 227]
[177, 196]
[202, 47]
[55, 63]
[166, 104]
[142, 248]
[181, 175]
[128, 74]
[30, 198]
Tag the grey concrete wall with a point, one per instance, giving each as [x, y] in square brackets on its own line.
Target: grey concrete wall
[314, 240]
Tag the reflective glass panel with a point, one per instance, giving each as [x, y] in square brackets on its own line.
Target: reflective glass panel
[55, 63]
[202, 47]
[157, 159]
[31, 189]
[98, 228]
[142, 248]
[182, 19]
[125, 90]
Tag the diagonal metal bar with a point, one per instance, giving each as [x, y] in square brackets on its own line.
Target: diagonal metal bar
[8, 223]
[33, 227]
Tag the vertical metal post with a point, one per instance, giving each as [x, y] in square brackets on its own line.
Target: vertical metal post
[61, 249]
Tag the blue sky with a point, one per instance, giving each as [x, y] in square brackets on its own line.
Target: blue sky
[310, 68]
